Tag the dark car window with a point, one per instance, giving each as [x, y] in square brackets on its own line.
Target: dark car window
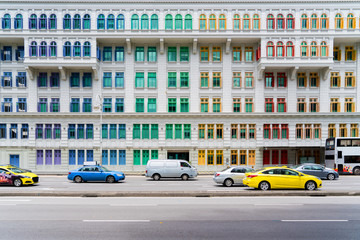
[308, 167]
[317, 168]
[2, 171]
[184, 164]
[238, 170]
[289, 172]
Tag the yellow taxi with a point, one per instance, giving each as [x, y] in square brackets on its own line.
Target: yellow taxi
[281, 177]
[27, 178]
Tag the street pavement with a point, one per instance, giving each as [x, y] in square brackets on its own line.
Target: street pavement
[278, 218]
[141, 186]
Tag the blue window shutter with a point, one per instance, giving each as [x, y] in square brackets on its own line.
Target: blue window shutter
[2, 55]
[64, 51]
[2, 107]
[17, 107]
[2, 81]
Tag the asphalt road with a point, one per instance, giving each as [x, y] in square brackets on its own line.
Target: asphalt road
[180, 218]
[140, 183]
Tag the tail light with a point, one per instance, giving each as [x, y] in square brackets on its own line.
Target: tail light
[218, 174]
[251, 176]
[145, 171]
[69, 173]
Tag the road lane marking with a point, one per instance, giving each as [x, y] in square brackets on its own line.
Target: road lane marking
[279, 204]
[332, 220]
[121, 221]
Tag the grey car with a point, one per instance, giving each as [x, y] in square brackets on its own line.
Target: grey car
[317, 170]
[231, 175]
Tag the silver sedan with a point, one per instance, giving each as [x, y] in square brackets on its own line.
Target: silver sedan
[317, 170]
[231, 175]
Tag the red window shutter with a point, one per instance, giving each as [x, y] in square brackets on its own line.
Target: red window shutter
[272, 81]
[285, 81]
[284, 157]
[275, 157]
[266, 157]
[272, 106]
[284, 106]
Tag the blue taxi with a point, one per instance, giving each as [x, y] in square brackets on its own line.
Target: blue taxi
[95, 173]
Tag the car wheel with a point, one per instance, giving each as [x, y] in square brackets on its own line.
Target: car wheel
[228, 182]
[17, 182]
[78, 179]
[331, 176]
[110, 179]
[356, 171]
[264, 186]
[310, 185]
[184, 177]
[156, 177]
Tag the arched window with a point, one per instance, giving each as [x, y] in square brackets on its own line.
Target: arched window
[87, 49]
[203, 22]
[134, 22]
[77, 22]
[67, 21]
[351, 22]
[290, 22]
[110, 21]
[42, 21]
[222, 22]
[33, 21]
[144, 22]
[188, 22]
[101, 22]
[236, 22]
[289, 49]
[314, 21]
[304, 49]
[246, 22]
[52, 51]
[304, 22]
[256, 22]
[6, 21]
[280, 21]
[323, 49]
[120, 22]
[86, 22]
[33, 49]
[314, 49]
[52, 21]
[270, 22]
[77, 49]
[280, 49]
[270, 49]
[168, 22]
[212, 22]
[339, 24]
[18, 21]
[324, 22]
[178, 22]
[42, 50]
[67, 49]
[154, 22]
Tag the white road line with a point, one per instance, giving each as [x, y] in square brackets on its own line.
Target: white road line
[339, 220]
[121, 221]
[15, 200]
[134, 205]
[279, 204]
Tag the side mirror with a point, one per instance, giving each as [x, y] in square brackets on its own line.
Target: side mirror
[8, 173]
[301, 175]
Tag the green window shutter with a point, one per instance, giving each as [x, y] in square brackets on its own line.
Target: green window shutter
[172, 79]
[139, 105]
[184, 54]
[145, 131]
[139, 54]
[172, 54]
[137, 157]
[184, 79]
[178, 131]
[169, 131]
[151, 104]
[139, 80]
[145, 157]
[184, 105]
[113, 131]
[154, 131]
[152, 55]
[104, 131]
[152, 80]
[154, 154]
[172, 105]
[136, 131]
[187, 131]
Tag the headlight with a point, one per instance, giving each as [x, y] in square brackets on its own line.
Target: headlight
[119, 175]
[24, 176]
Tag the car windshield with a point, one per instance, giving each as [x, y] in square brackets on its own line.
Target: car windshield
[104, 169]
[295, 166]
[16, 170]
[225, 169]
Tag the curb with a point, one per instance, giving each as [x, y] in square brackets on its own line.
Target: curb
[251, 193]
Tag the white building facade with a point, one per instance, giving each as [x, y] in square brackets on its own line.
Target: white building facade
[218, 83]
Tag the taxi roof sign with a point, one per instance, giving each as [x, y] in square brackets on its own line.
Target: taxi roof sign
[90, 163]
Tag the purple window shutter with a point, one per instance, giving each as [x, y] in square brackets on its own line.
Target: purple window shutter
[38, 81]
[51, 106]
[30, 50]
[51, 80]
[48, 160]
[57, 157]
[40, 157]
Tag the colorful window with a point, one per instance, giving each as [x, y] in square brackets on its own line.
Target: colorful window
[248, 105]
[349, 79]
[334, 105]
[236, 22]
[217, 105]
[269, 105]
[204, 54]
[301, 105]
[204, 104]
[236, 79]
[335, 80]
[301, 80]
[204, 81]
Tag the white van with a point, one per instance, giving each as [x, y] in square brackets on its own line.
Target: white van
[170, 168]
